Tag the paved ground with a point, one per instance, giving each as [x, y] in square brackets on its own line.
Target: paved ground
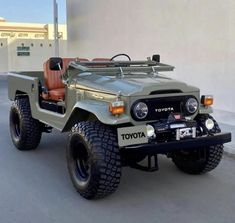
[35, 187]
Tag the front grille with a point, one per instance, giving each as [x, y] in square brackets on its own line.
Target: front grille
[160, 108]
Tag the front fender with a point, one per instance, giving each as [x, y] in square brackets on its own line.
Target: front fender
[99, 109]
[205, 110]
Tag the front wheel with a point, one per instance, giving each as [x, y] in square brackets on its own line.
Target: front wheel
[200, 160]
[25, 131]
[93, 159]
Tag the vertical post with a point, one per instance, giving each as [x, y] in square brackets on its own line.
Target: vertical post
[56, 37]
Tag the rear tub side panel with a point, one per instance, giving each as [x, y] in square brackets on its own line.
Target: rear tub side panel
[29, 85]
[23, 83]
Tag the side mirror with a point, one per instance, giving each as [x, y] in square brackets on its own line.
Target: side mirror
[56, 63]
[156, 58]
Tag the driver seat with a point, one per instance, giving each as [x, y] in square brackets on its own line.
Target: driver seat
[53, 83]
[55, 88]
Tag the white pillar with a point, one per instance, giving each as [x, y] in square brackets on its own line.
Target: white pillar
[56, 37]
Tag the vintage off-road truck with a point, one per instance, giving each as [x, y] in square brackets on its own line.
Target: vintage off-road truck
[119, 113]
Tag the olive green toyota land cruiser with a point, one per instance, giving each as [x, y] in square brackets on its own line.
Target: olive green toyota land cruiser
[119, 113]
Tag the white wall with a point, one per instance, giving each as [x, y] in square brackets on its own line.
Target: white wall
[3, 55]
[197, 36]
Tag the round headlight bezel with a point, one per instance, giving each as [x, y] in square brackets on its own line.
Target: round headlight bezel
[191, 105]
[140, 110]
[210, 124]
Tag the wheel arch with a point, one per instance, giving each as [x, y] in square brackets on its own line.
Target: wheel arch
[78, 115]
[89, 110]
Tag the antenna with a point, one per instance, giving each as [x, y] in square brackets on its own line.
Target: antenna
[56, 37]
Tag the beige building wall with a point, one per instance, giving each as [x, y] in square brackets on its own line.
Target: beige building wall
[195, 36]
[13, 30]
[3, 55]
[26, 46]
[39, 51]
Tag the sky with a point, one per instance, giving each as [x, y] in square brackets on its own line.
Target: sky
[31, 11]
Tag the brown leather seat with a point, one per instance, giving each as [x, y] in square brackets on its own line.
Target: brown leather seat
[53, 82]
[57, 94]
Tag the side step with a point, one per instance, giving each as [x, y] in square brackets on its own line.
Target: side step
[47, 129]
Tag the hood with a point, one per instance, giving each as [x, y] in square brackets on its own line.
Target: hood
[130, 85]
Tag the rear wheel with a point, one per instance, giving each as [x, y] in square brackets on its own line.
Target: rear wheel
[200, 160]
[93, 159]
[25, 131]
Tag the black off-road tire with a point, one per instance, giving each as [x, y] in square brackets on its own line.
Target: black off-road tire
[25, 131]
[93, 159]
[200, 160]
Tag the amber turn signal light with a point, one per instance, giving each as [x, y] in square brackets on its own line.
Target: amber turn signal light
[207, 100]
[117, 107]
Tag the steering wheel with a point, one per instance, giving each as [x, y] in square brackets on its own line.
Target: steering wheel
[119, 55]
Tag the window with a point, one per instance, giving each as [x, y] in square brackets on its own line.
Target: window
[39, 36]
[5, 34]
[23, 35]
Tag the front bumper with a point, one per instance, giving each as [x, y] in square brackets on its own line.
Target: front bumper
[185, 144]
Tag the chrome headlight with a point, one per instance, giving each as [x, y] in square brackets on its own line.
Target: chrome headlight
[191, 105]
[140, 110]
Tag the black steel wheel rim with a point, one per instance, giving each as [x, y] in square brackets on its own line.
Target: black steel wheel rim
[81, 163]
